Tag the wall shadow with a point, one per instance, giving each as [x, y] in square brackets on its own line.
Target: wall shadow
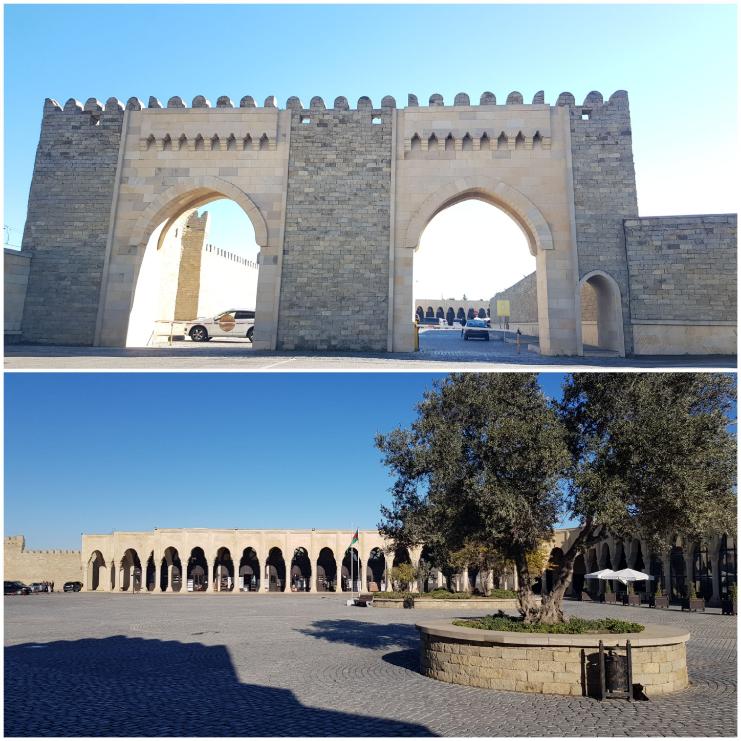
[364, 635]
[123, 686]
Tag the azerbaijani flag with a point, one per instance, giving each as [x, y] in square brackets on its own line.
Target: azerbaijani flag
[353, 541]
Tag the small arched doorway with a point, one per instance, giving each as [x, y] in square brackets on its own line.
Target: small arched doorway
[350, 575]
[375, 572]
[601, 313]
[275, 568]
[249, 571]
[197, 571]
[326, 571]
[96, 571]
[300, 571]
[223, 571]
[171, 571]
[131, 572]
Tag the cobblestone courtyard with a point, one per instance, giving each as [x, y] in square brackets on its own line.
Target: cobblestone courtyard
[304, 665]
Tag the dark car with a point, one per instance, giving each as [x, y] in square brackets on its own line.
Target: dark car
[72, 586]
[16, 587]
[475, 328]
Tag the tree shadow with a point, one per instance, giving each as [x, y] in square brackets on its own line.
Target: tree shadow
[364, 635]
[123, 686]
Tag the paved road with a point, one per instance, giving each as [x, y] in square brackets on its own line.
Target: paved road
[303, 665]
[439, 350]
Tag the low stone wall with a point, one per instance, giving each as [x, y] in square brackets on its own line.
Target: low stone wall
[431, 604]
[548, 663]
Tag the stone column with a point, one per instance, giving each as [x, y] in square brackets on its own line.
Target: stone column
[169, 568]
[361, 573]
[666, 566]
[515, 579]
[157, 574]
[714, 557]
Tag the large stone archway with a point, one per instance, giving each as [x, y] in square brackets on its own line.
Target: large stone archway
[123, 265]
[556, 267]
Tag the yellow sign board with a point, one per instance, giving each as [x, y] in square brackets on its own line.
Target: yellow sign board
[502, 307]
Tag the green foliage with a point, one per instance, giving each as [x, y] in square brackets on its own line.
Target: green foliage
[733, 592]
[403, 574]
[691, 591]
[493, 594]
[659, 589]
[480, 464]
[608, 587]
[573, 625]
[652, 453]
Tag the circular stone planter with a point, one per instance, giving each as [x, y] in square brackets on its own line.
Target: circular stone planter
[459, 604]
[549, 663]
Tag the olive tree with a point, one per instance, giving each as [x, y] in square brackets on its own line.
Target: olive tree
[490, 460]
[482, 463]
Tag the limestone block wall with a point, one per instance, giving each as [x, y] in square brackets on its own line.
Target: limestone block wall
[523, 305]
[683, 283]
[334, 282]
[68, 218]
[604, 188]
[20, 564]
[16, 267]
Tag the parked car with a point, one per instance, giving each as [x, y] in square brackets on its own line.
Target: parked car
[15, 587]
[39, 587]
[231, 323]
[475, 328]
[72, 586]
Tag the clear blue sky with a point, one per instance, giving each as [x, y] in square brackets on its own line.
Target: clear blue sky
[677, 62]
[97, 452]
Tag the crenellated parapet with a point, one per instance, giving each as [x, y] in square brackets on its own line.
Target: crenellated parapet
[341, 103]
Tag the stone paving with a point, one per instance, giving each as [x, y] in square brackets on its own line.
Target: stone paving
[439, 350]
[304, 665]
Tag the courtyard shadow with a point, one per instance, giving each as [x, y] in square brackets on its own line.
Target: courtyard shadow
[123, 686]
[362, 634]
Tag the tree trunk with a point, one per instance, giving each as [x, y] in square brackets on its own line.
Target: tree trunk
[551, 611]
[527, 602]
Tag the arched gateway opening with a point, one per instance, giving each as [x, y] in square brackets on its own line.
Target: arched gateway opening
[470, 252]
[544, 303]
[165, 266]
[275, 570]
[201, 263]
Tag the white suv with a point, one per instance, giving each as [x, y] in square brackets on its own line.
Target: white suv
[231, 323]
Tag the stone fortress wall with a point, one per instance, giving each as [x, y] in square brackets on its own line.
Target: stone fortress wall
[679, 267]
[339, 198]
[27, 566]
[523, 305]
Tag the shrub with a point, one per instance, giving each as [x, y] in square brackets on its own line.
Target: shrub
[573, 625]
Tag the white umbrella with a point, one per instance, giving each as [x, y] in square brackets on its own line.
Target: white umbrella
[626, 575]
[602, 574]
